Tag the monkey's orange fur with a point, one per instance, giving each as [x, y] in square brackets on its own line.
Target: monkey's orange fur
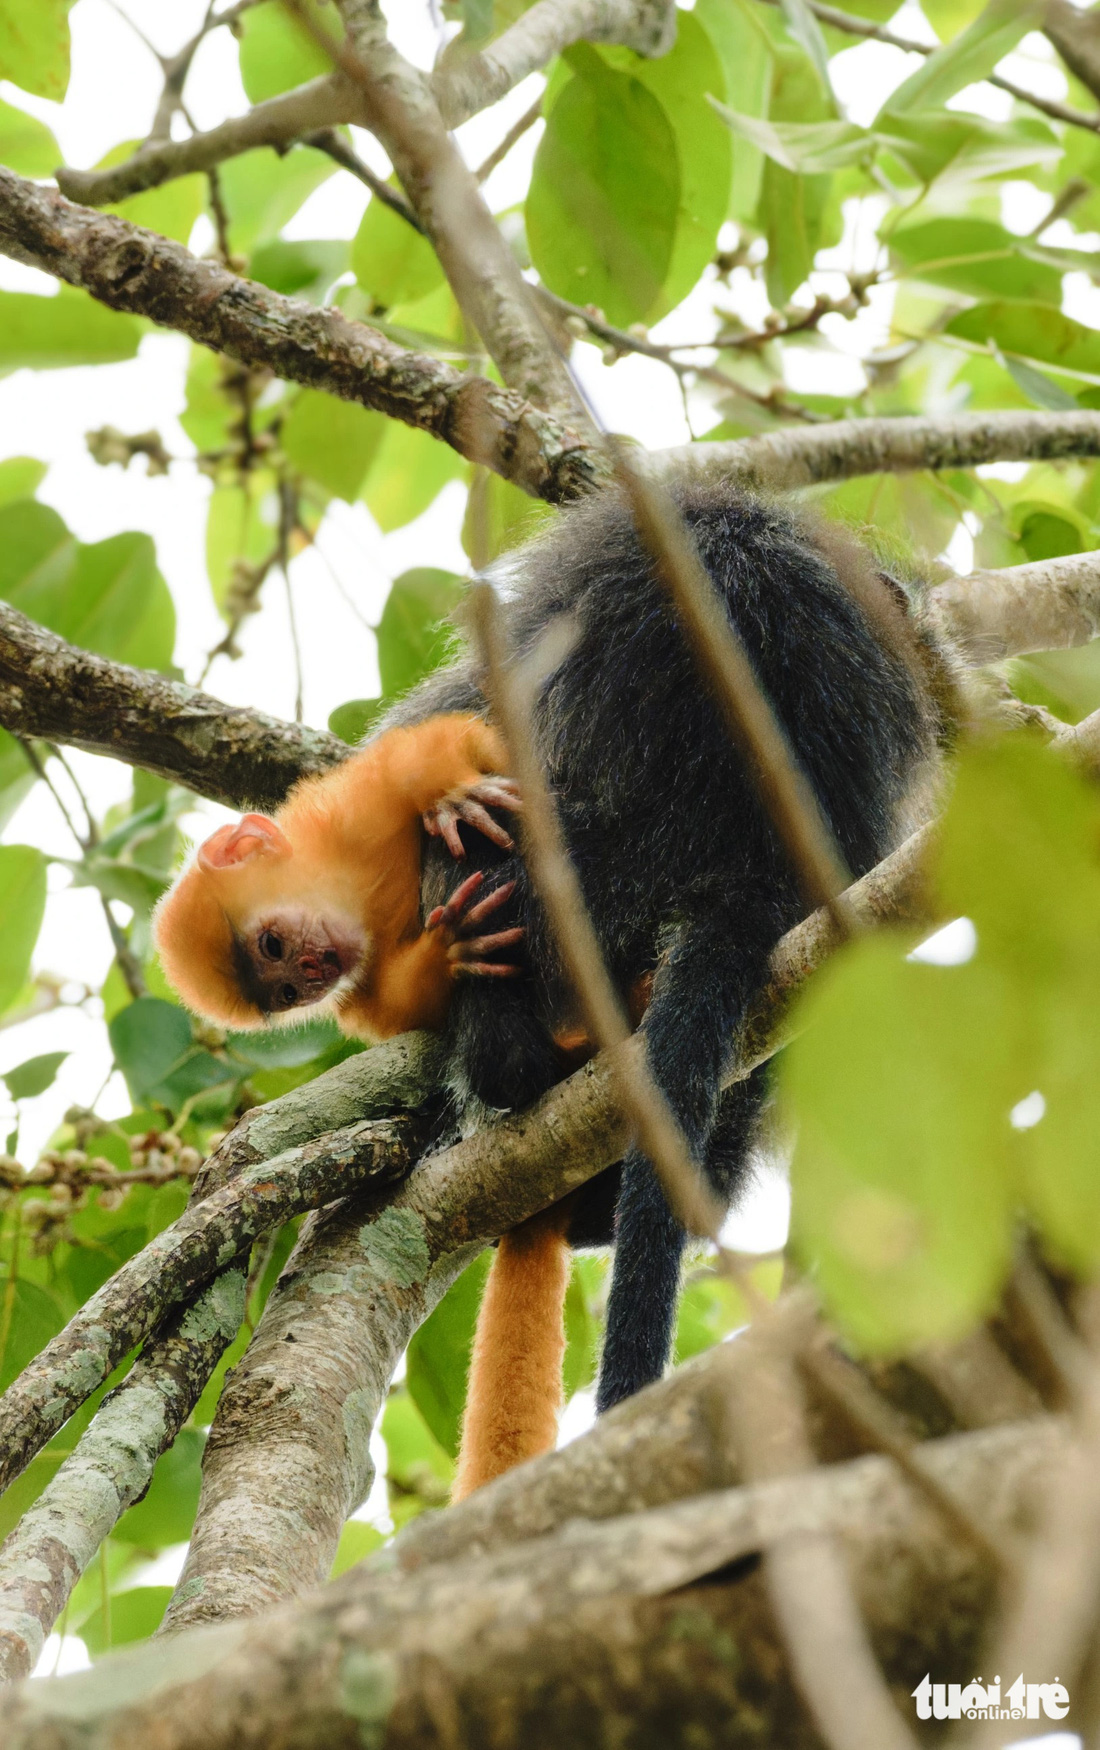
[356, 844]
[514, 1392]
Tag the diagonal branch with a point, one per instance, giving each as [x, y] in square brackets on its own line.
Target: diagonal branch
[129, 268]
[460, 91]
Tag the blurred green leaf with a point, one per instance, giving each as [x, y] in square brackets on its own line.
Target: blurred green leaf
[278, 52]
[499, 516]
[17, 777]
[262, 191]
[332, 441]
[351, 721]
[171, 209]
[582, 1326]
[167, 1511]
[392, 262]
[806, 32]
[1034, 330]
[29, 1317]
[412, 636]
[901, 1080]
[34, 45]
[418, 1470]
[605, 192]
[285, 1047]
[26, 144]
[684, 82]
[107, 596]
[968, 57]
[743, 47]
[806, 148]
[241, 525]
[975, 256]
[300, 269]
[67, 329]
[953, 147]
[134, 1615]
[438, 1358]
[22, 904]
[154, 1049]
[357, 1541]
[406, 475]
[32, 1077]
[20, 477]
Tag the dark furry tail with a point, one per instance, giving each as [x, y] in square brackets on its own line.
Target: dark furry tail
[514, 1393]
[649, 1242]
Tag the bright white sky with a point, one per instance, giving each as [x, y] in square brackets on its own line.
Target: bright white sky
[113, 91]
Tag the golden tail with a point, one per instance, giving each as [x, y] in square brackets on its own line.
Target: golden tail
[514, 1393]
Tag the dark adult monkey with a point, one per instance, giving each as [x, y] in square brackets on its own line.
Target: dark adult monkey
[686, 882]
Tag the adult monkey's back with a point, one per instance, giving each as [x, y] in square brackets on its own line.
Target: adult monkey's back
[685, 879]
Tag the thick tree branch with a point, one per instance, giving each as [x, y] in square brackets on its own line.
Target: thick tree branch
[593, 1625]
[113, 1462]
[129, 268]
[288, 1458]
[1051, 605]
[51, 690]
[206, 1238]
[444, 194]
[323, 103]
[810, 455]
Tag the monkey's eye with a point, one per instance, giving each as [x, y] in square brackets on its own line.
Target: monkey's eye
[289, 995]
[271, 945]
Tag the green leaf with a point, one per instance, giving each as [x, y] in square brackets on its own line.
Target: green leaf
[684, 82]
[587, 1282]
[952, 147]
[332, 441]
[743, 47]
[171, 209]
[34, 45]
[357, 1541]
[1032, 330]
[605, 191]
[972, 54]
[35, 1075]
[413, 638]
[1041, 390]
[300, 269]
[107, 597]
[17, 777]
[68, 329]
[900, 1083]
[36, 1316]
[240, 524]
[438, 1357]
[22, 905]
[285, 1047]
[408, 472]
[806, 31]
[418, 1469]
[153, 1048]
[277, 52]
[393, 263]
[351, 721]
[975, 256]
[166, 1513]
[133, 1616]
[20, 477]
[499, 516]
[806, 148]
[26, 144]
[262, 191]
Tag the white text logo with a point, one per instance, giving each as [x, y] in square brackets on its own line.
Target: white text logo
[982, 1701]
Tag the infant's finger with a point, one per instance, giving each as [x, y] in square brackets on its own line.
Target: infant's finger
[485, 969]
[474, 815]
[498, 796]
[492, 902]
[452, 912]
[478, 945]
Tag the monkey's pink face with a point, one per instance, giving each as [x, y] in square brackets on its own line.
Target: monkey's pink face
[288, 958]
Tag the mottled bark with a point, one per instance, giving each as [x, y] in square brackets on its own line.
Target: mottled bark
[53, 691]
[110, 1469]
[651, 1629]
[1050, 605]
[204, 1241]
[288, 1457]
[113, 1463]
[479, 264]
[808, 455]
[129, 268]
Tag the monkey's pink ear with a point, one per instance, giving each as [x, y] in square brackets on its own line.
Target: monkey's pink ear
[254, 835]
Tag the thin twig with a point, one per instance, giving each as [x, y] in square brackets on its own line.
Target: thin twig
[288, 521]
[863, 27]
[657, 1131]
[328, 140]
[515, 132]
